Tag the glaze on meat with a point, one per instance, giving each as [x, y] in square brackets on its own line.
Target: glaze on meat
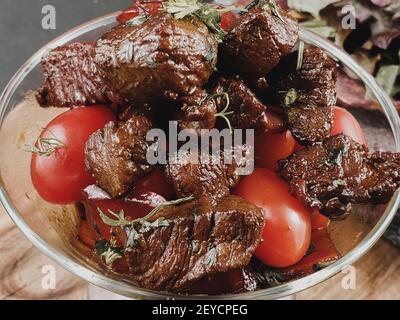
[190, 176]
[116, 155]
[308, 94]
[333, 175]
[246, 110]
[72, 78]
[198, 241]
[262, 37]
[161, 58]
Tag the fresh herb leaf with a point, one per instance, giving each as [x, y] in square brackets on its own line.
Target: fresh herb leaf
[133, 237]
[120, 222]
[335, 156]
[45, 146]
[300, 56]
[272, 6]
[159, 223]
[133, 234]
[108, 251]
[182, 8]
[210, 16]
[290, 97]
[339, 183]
[138, 20]
[266, 277]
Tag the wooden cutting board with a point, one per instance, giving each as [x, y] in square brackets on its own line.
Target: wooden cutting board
[21, 266]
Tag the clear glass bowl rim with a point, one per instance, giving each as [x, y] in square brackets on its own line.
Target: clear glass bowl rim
[281, 291]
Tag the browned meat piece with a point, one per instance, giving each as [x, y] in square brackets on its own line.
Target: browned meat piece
[332, 175]
[262, 37]
[116, 155]
[246, 110]
[307, 94]
[194, 241]
[309, 123]
[190, 176]
[198, 111]
[72, 78]
[163, 57]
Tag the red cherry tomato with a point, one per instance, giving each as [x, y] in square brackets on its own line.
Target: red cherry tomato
[228, 21]
[139, 8]
[324, 251]
[344, 122]
[60, 176]
[271, 147]
[287, 232]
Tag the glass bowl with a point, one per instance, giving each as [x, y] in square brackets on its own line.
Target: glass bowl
[52, 228]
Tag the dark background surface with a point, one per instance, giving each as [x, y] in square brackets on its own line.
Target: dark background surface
[21, 33]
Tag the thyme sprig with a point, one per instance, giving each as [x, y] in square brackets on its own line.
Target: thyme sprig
[109, 251]
[300, 56]
[210, 16]
[133, 234]
[45, 146]
[272, 6]
[121, 221]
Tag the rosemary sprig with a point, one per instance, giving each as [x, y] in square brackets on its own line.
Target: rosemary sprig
[162, 206]
[300, 56]
[289, 97]
[224, 113]
[108, 251]
[45, 146]
[210, 16]
[138, 20]
[271, 5]
[120, 222]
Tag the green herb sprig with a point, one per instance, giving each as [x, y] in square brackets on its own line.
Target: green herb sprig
[210, 16]
[45, 146]
[121, 221]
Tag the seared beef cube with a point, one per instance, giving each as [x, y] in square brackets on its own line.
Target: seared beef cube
[184, 244]
[262, 37]
[314, 82]
[245, 110]
[198, 111]
[307, 94]
[71, 77]
[332, 175]
[309, 123]
[191, 176]
[116, 154]
[163, 57]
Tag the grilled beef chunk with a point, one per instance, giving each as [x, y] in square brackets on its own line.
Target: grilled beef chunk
[116, 154]
[307, 94]
[190, 176]
[246, 110]
[194, 241]
[198, 111]
[261, 38]
[332, 175]
[72, 78]
[163, 57]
